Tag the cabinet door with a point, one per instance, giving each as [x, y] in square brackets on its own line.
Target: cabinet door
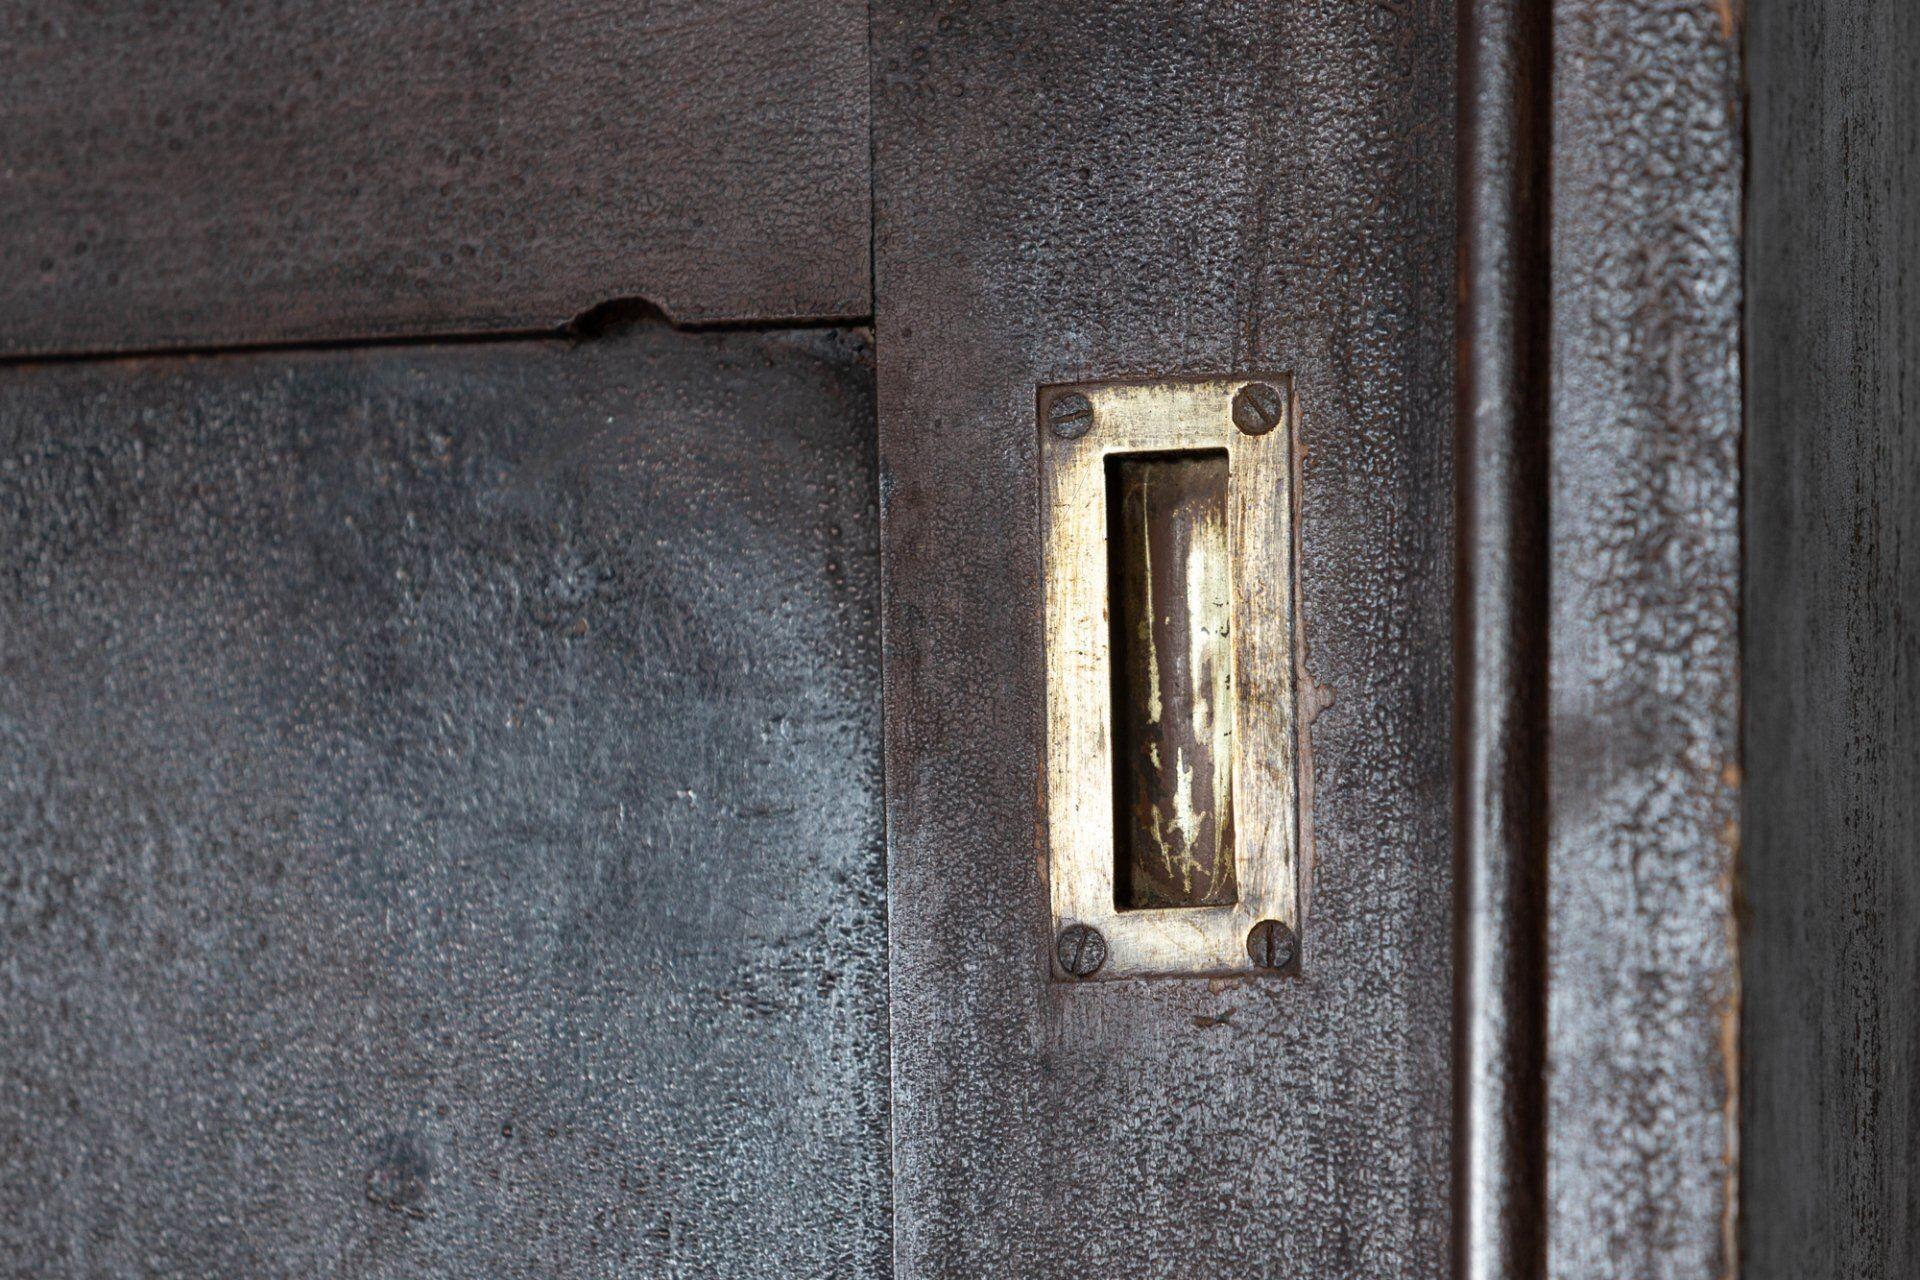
[458, 464]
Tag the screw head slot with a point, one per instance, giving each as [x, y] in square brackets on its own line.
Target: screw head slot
[1070, 415]
[1256, 408]
[1080, 950]
[1271, 945]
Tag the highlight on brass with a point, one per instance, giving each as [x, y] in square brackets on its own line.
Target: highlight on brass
[1166, 519]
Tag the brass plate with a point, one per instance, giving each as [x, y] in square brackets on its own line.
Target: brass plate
[1162, 417]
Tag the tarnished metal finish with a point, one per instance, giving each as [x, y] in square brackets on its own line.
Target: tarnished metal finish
[1500, 743]
[1258, 408]
[1068, 193]
[1125, 793]
[1170, 600]
[1069, 415]
[1080, 951]
[301, 169]
[1830, 957]
[440, 813]
[1272, 945]
[1643, 1002]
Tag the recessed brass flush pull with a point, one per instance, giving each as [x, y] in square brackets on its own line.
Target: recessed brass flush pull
[1167, 520]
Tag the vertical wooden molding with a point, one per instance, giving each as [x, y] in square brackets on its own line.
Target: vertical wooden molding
[1644, 674]
[1501, 642]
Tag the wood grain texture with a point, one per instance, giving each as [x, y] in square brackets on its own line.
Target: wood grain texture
[1068, 192]
[1831, 862]
[1645, 609]
[298, 169]
[440, 820]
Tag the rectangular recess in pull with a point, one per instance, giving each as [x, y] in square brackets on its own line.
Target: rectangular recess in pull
[1171, 791]
[1170, 609]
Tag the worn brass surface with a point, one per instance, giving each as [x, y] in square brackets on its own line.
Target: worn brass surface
[1170, 645]
[1133, 418]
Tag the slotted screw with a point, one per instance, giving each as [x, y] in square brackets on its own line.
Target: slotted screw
[1080, 950]
[1256, 408]
[1270, 944]
[1070, 415]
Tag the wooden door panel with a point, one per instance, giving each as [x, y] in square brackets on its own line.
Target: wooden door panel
[439, 793]
[1076, 193]
[212, 174]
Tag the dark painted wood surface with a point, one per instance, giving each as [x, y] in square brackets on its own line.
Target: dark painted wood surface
[440, 814]
[1645, 598]
[1073, 192]
[1501, 640]
[294, 169]
[1831, 951]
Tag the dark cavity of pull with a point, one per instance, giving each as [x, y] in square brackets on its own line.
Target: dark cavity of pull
[1170, 605]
